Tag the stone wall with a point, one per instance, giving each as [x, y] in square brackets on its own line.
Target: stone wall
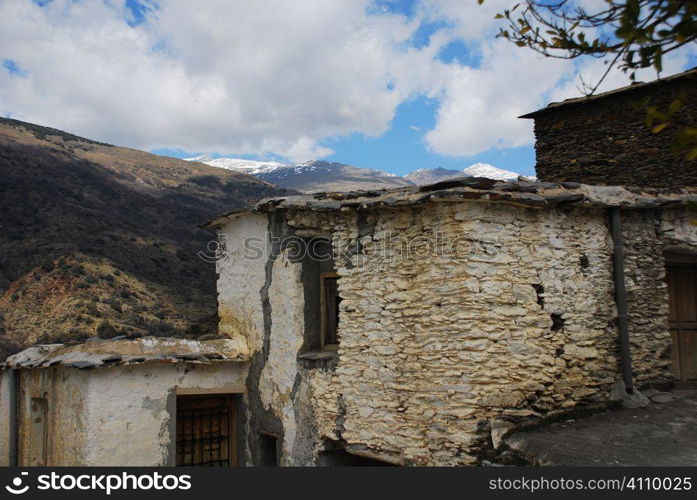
[459, 321]
[649, 235]
[436, 348]
[605, 140]
[261, 296]
[120, 416]
[647, 297]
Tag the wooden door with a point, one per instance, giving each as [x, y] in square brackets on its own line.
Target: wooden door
[682, 292]
[206, 431]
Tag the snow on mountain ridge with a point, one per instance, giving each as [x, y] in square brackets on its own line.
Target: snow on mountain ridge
[252, 167]
[256, 167]
[311, 176]
[490, 172]
[318, 175]
[432, 175]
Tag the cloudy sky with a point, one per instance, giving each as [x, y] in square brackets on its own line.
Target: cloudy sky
[394, 85]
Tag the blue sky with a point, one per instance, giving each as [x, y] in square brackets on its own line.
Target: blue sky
[395, 85]
[402, 149]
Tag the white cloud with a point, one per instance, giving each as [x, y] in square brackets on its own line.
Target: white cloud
[467, 20]
[268, 76]
[245, 77]
[592, 71]
[479, 106]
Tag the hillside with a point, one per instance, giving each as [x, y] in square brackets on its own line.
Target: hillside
[102, 240]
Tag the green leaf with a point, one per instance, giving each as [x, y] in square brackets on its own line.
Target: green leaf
[657, 62]
[674, 106]
[624, 33]
[659, 127]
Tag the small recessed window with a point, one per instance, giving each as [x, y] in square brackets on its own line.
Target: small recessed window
[268, 449]
[330, 310]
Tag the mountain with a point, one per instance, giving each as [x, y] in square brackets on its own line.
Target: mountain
[251, 167]
[103, 240]
[317, 175]
[312, 176]
[431, 175]
[490, 172]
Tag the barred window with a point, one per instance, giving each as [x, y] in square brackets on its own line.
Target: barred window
[206, 431]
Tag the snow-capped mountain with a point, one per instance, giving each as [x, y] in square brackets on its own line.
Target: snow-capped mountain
[425, 176]
[251, 167]
[490, 172]
[319, 175]
[431, 175]
[311, 176]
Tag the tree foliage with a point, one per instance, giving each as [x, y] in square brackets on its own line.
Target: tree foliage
[660, 119]
[630, 34]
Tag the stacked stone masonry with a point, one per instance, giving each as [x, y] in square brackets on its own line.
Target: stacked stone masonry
[605, 140]
[494, 316]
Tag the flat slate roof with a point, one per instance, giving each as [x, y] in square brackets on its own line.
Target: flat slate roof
[534, 194]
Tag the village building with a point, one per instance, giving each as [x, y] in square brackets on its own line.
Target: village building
[604, 139]
[412, 326]
[123, 402]
[452, 313]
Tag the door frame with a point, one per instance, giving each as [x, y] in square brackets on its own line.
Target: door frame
[674, 261]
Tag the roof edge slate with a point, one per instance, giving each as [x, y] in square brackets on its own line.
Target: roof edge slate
[105, 353]
[553, 106]
[535, 194]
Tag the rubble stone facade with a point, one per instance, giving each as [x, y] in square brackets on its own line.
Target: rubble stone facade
[458, 322]
[605, 140]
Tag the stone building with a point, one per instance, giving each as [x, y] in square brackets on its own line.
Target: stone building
[413, 326]
[122, 402]
[416, 326]
[603, 139]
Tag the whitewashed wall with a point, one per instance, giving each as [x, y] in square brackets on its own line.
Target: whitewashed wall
[119, 416]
